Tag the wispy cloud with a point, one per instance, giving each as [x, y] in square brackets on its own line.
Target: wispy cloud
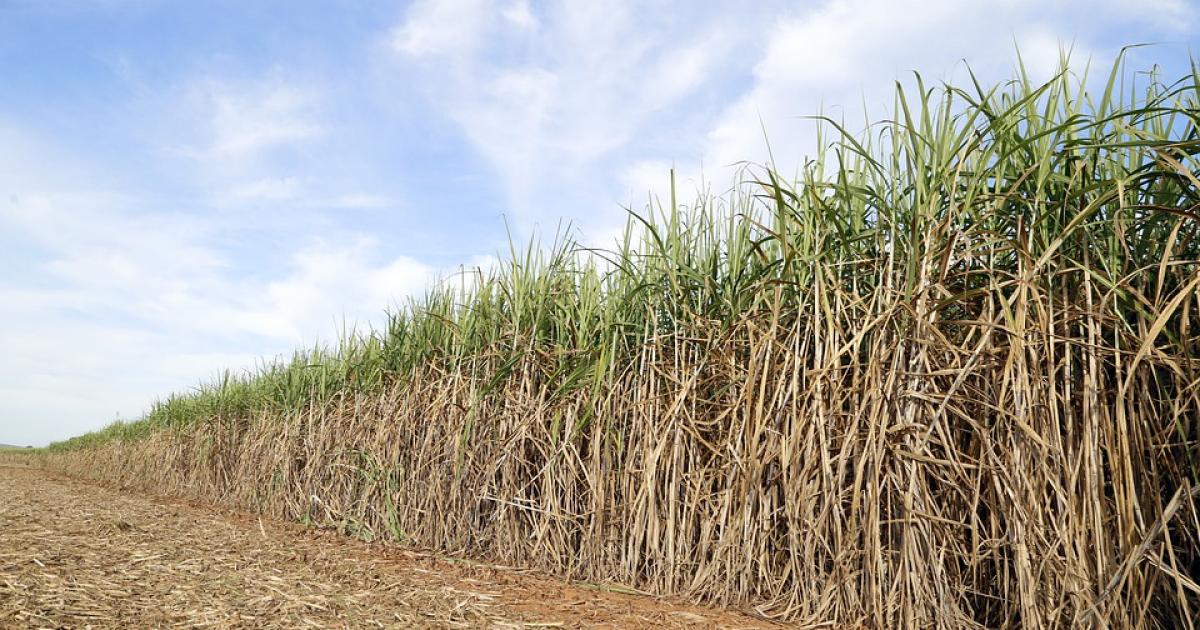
[268, 188]
[443, 28]
[240, 120]
[519, 14]
[846, 54]
[551, 103]
[246, 120]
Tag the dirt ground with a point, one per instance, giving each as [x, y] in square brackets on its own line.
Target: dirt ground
[75, 554]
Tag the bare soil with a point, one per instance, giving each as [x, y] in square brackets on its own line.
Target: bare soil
[75, 554]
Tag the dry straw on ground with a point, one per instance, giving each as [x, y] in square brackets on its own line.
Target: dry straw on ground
[75, 555]
[947, 378]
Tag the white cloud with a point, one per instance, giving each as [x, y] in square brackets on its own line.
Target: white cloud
[520, 15]
[361, 201]
[268, 188]
[139, 307]
[170, 273]
[644, 176]
[293, 193]
[331, 284]
[442, 28]
[548, 106]
[120, 302]
[234, 122]
[678, 71]
[246, 123]
[848, 53]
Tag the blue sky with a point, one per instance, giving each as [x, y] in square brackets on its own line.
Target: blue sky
[186, 187]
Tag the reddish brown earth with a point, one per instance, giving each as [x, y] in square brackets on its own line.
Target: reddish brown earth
[74, 554]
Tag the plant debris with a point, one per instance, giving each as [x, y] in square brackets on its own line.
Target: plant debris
[75, 554]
